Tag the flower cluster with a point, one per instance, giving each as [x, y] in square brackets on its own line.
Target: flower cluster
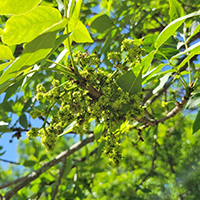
[72, 102]
[133, 54]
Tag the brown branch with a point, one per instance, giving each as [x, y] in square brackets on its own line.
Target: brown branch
[59, 179]
[179, 106]
[35, 174]
[12, 182]
[152, 122]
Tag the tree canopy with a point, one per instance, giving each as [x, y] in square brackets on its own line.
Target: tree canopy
[106, 93]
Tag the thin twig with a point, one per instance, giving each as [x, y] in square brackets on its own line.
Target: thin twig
[59, 179]
[35, 174]
[11, 162]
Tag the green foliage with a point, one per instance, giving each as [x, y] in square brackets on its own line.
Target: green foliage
[115, 74]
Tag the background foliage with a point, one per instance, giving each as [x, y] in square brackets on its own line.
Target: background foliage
[160, 150]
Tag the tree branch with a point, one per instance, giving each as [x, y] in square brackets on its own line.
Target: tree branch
[152, 122]
[35, 174]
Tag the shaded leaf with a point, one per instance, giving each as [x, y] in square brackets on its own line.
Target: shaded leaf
[30, 24]
[29, 163]
[2, 153]
[196, 125]
[23, 121]
[130, 83]
[58, 42]
[43, 157]
[102, 23]
[193, 101]
[175, 10]
[16, 6]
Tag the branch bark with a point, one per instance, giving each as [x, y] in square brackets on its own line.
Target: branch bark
[35, 174]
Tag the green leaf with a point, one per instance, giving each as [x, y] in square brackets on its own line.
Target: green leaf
[2, 153]
[102, 23]
[61, 6]
[23, 121]
[5, 53]
[30, 24]
[29, 163]
[68, 129]
[79, 32]
[98, 130]
[1, 32]
[151, 73]
[130, 83]
[163, 80]
[4, 127]
[190, 56]
[193, 101]
[57, 26]
[68, 166]
[4, 65]
[175, 10]
[33, 52]
[27, 105]
[70, 8]
[195, 27]
[58, 42]
[196, 125]
[43, 157]
[17, 7]
[171, 28]
[194, 49]
[76, 12]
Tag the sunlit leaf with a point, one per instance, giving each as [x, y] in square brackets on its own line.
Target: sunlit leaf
[5, 53]
[33, 52]
[16, 6]
[30, 24]
[194, 101]
[79, 32]
[68, 129]
[163, 80]
[171, 28]
[195, 49]
[98, 130]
